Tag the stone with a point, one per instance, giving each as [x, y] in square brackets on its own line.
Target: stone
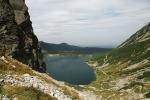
[35, 85]
[26, 75]
[27, 80]
[13, 66]
[15, 98]
[5, 98]
[2, 58]
[17, 38]
[1, 80]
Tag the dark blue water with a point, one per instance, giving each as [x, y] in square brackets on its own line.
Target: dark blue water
[70, 69]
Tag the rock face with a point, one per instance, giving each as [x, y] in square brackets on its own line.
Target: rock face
[16, 34]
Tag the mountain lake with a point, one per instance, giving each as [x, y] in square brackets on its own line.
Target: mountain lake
[71, 69]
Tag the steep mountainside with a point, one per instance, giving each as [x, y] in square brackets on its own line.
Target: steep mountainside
[66, 48]
[20, 82]
[134, 50]
[16, 34]
[124, 72]
[140, 36]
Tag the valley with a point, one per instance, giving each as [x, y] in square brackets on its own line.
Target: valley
[34, 70]
[124, 72]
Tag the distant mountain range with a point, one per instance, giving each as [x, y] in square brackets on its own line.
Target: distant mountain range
[66, 48]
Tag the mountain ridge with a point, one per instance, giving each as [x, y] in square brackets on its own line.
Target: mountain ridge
[122, 74]
[64, 48]
[125, 70]
[144, 33]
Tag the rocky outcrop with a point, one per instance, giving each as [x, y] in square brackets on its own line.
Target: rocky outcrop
[27, 80]
[4, 97]
[15, 75]
[16, 34]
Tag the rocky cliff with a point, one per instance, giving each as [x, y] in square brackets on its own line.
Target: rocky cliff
[17, 38]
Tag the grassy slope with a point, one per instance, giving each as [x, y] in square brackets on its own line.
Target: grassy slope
[133, 53]
[23, 69]
[24, 93]
[117, 60]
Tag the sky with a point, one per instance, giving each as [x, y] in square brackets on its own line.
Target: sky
[93, 23]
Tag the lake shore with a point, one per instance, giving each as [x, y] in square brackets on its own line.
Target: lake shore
[70, 68]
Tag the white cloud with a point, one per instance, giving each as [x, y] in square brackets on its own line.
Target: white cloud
[88, 22]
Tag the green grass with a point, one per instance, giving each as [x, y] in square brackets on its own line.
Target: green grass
[146, 76]
[147, 79]
[134, 53]
[119, 59]
[24, 93]
[107, 76]
[23, 69]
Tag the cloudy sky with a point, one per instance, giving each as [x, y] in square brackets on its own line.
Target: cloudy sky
[101, 23]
